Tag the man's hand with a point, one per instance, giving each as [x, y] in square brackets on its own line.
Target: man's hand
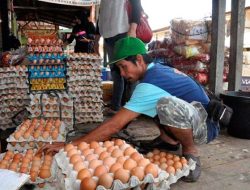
[51, 148]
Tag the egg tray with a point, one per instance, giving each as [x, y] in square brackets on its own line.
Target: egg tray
[53, 171]
[61, 136]
[72, 183]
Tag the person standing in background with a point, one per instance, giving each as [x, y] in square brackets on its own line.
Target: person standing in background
[84, 33]
[114, 24]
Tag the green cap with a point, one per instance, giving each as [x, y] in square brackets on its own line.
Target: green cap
[126, 47]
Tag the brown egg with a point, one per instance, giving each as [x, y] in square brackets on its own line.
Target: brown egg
[17, 135]
[169, 156]
[163, 166]
[45, 135]
[109, 161]
[143, 162]
[3, 166]
[78, 166]
[170, 170]
[33, 176]
[25, 160]
[108, 144]
[149, 155]
[88, 184]
[23, 170]
[48, 157]
[170, 162]
[17, 156]
[99, 150]
[183, 161]
[115, 167]
[94, 164]
[13, 166]
[163, 154]
[106, 180]
[68, 147]
[123, 175]
[83, 173]
[87, 151]
[176, 158]
[156, 157]
[57, 123]
[151, 169]
[25, 165]
[26, 135]
[128, 151]
[34, 168]
[82, 146]
[54, 135]
[156, 151]
[36, 158]
[111, 148]
[45, 167]
[136, 156]
[129, 164]
[44, 173]
[138, 172]
[163, 160]
[177, 165]
[116, 153]
[94, 144]
[100, 170]
[104, 155]
[36, 134]
[7, 157]
[124, 146]
[9, 153]
[118, 142]
[121, 160]
[75, 158]
[72, 152]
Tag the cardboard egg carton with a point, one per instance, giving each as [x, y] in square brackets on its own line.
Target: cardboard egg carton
[72, 183]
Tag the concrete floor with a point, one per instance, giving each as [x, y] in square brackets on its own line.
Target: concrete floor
[225, 165]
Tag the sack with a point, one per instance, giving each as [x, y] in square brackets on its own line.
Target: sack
[143, 30]
[219, 112]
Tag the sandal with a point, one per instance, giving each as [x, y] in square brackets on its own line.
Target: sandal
[193, 174]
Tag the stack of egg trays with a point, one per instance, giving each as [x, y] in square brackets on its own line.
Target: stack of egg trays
[50, 106]
[13, 93]
[84, 83]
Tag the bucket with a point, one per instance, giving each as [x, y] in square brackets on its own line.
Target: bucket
[239, 101]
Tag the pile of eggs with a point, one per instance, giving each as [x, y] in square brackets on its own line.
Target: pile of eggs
[167, 161]
[102, 163]
[35, 165]
[38, 128]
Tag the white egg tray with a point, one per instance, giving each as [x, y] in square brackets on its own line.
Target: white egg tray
[54, 170]
[61, 136]
[163, 181]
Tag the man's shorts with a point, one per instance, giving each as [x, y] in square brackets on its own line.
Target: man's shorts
[174, 112]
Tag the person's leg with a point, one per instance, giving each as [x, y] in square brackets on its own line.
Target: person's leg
[118, 80]
[188, 125]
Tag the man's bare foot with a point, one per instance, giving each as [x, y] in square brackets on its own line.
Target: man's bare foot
[168, 139]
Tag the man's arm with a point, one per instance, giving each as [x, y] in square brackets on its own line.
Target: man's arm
[101, 133]
[110, 127]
